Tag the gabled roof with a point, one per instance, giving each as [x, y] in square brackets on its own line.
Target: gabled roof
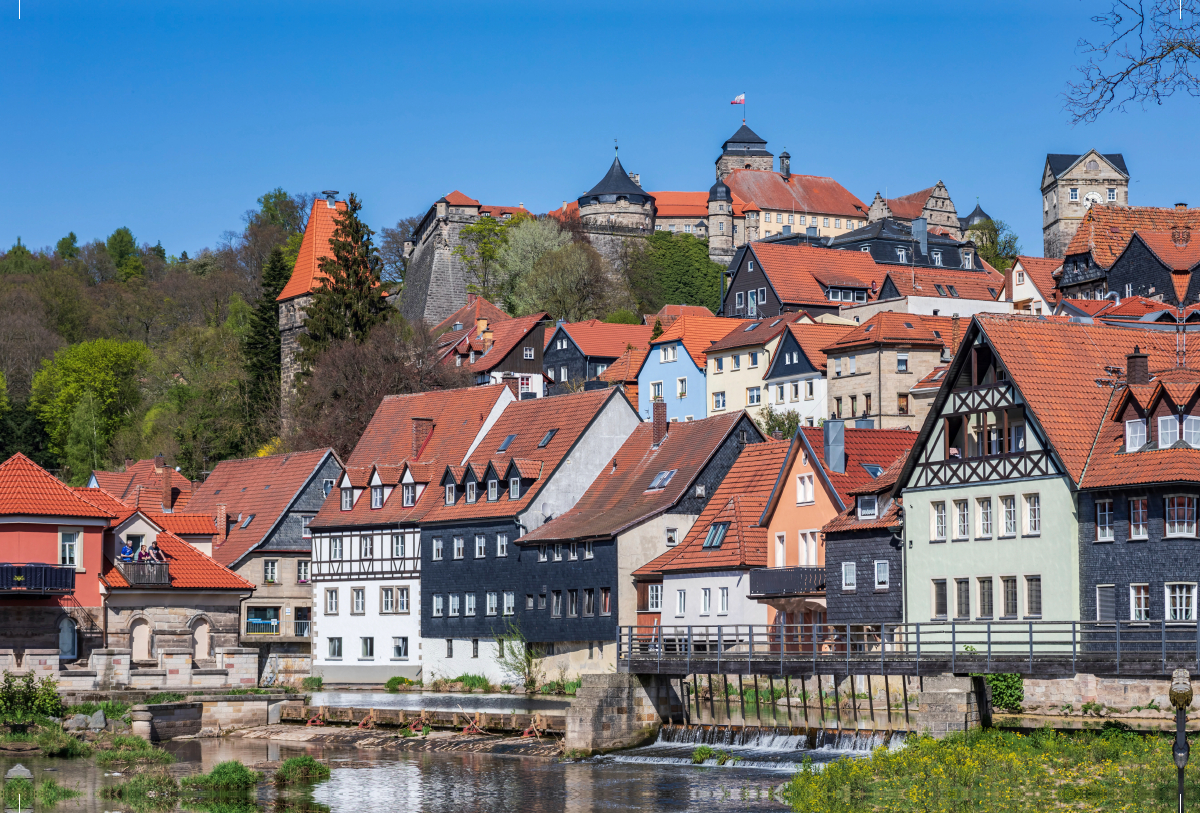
[528, 422]
[457, 198]
[476, 308]
[1061, 162]
[599, 339]
[802, 194]
[756, 332]
[306, 274]
[687, 204]
[144, 475]
[910, 206]
[889, 328]
[667, 314]
[1177, 257]
[697, 334]
[1105, 231]
[744, 135]
[456, 416]
[619, 498]
[626, 367]
[502, 212]
[1040, 271]
[864, 447]
[812, 338]
[189, 569]
[28, 489]
[947, 283]
[505, 336]
[263, 486]
[739, 500]
[800, 274]
[931, 380]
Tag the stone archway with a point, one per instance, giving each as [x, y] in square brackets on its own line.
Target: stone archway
[201, 639]
[139, 639]
[68, 640]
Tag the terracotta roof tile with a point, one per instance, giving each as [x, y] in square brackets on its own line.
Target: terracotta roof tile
[470, 313]
[306, 274]
[145, 475]
[501, 212]
[1041, 273]
[697, 334]
[457, 198]
[864, 447]
[605, 340]
[626, 367]
[800, 274]
[800, 193]
[848, 520]
[757, 332]
[910, 206]
[505, 336]
[28, 489]
[932, 380]
[903, 328]
[190, 524]
[812, 338]
[189, 569]
[1105, 231]
[952, 284]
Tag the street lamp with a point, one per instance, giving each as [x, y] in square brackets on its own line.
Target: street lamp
[1181, 698]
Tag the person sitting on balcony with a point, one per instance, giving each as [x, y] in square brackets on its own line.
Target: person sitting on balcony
[126, 552]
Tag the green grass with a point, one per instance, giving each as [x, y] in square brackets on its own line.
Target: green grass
[166, 697]
[126, 749]
[145, 791]
[313, 684]
[55, 742]
[225, 776]
[49, 792]
[474, 682]
[18, 791]
[302, 770]
[247, 691]
[395, 682]
[113, 709]
[560, 687]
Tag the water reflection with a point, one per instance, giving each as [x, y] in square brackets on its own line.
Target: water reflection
[439, 701]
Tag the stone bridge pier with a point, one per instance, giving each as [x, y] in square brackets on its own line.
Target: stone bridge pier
[950, 704]
[620, 710]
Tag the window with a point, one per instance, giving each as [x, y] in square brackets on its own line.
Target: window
[377, 496]
[588, 551]
[1009, 506]
[808, 390]
[736, 361]
[358, 601]
[387, 600]
[454, 605]
[984, 505]
[270, 570]
[937, 258]
[335, 648]
[400, 648]
[528, 352]
[866, 403]
[572, 603]
[1168, 431]
[852, 360]
[718, 400]
[506, 442]
[366, 546]
[558, 551]
[753, 358]
[1033, 514]
[1139, 512]
[501, 545]
[305, 531]
[739, 300]
[962, 598]
[398, 546]
[331, 601]
[849, 576]
[1010, 596]
[902, 362]
[1180, 601]
[1191, 431]
[450, 494]
[881, 575]
[563, 374]
[868, 505]
[654, 598]
[723, 600]
[1106, 602]
[606, 601]
[962, 520]
[939, 521]
[326, 487]
[1135, 435]
[985, 597]
[368, 648]
[437, 550]
[514, 488]
[302, 571]
[716, 535]
[408, 494]
[469, 605]
[459, 547]
[705, 600]
[837, 367]
[335, 547]
[826, 222]
[542, 553]
[754, 396]
[402, 604]
[939, 598]
[470, 492]
[853, 406]
[1181, 516]
[837, 407]
[491, 603]
[572, 551]
[1104, 521]
[1033, 596]
[449, 647]
[1139, 602]
[719, 365]
[668, 352]
[902, 403]
[1074, 194]
[347, 499]
[680, 602]
[480, 547]
[780, 550]
[556, 604]
[681, 387]
[589, 601]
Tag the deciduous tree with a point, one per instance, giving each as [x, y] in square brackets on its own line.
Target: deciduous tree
[480, 244]
[996, 243]
[570, 283]
[391, 251]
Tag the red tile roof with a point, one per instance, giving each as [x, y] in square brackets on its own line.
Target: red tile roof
[505, 336]
[1041, 273]
[146, 476]
[263, 486]
[688, 204]
[740, 501]
[476, 308]
[800, 274]
[529, 421]
[1182, 257]
[189, 569]
[306, 274]
[619, 499]
[501, 212]
[910, 206]
[864, 447]
[757, 333]
[697, 334]
[189, 524]
[605, 340]
[932, 380]
[457, 198]
[28, 489]
[625, 368]
[956, 284]
[813, 337]
[801, 194]
[890, 328]
[1106, 230]
[667, 315]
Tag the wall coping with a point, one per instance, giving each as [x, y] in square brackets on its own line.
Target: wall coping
[175, 652]
[110, 651]
[210, 671]
[236, 650]
[148, 672]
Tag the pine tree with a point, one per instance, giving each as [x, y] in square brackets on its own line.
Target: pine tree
[261, 343]
[349, 302]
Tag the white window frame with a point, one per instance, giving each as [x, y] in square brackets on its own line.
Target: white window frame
[680, 603]
[1008, 508]
[902, 362]
[438, 549]
[70, 547]
[501, 545]
[1105, 527]
[723, 601]
[805, 494]
[753, 396]
[937, 521]
[1168, 431]
[705, 600]
[1172, 526]
[492, 603]
[654, 595]
[514, 488]
[1172, 610]
[1191, 431]
[882, 566]
[849, 577]
[469, 605]
[987, 521]
[458, 547]
[347, 499]
[1135, 435]
[1033, 514]
[331, 601]
[868, 506]
[376, 497]
[450, 494]
[480, 546]
[1143, 512]
[528, 352]
[1139, 609]
[962, 519]
[718, 400]
[439, 603]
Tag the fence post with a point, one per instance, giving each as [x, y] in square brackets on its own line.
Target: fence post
[1031, 647]
[918, 654]
[1074, 645]
[689, 647]
[1118, 648]
[720, 645]
[618, 646]
[953, 645]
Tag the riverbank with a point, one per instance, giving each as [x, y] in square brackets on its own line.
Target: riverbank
[543, 747]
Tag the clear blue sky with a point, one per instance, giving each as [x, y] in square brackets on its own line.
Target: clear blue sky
[172, 117]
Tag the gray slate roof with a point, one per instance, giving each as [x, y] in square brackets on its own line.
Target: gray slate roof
[745, 142]
[617, 182]
[1061, 162]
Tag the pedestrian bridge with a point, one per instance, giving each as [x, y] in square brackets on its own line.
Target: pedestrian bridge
[1043, 649]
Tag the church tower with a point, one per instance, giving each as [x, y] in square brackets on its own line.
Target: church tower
[744, 150]
[1072, 184]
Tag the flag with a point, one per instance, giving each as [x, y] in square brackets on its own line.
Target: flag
[739, 99]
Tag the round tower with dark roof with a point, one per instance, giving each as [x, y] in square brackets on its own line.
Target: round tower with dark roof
[617, 201]
[720, 222]
[744, 150]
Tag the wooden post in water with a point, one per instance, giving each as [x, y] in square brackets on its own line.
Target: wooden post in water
[854, 700]
[871, 700]
[904, 688]
[741, 699]
[821, 697]
[687, 701]
[787, 693]
[837, 702]
[804, 697]
[771, 696]
[725, 689]
[887, 695]
[696, 687]
[757, 702]
[712, 700]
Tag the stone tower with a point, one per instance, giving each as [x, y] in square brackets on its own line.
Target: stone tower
[744, 150]
[720, 223]
[1072, 184]
[617, 201]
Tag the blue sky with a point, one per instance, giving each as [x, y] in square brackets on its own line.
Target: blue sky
[172, 117]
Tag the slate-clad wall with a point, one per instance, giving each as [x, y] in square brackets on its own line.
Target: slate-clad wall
[717, 467]
[1141, 269]
[289, 534]
[865, 605]
[552, 359]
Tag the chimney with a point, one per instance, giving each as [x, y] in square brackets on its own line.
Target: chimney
[1179, 207]
[659, 431]
[1137, 367]
[785, 165]
[330, 198]
[159, 463]
[777, 434]
[636, 178]
[222, 524]
[422, 429]
[481, 324]
[167, 502]
[835, 446]
[488, 338]
[510, 381]
[953, 334]
[471, 298]
[195, 485]
[129, 463]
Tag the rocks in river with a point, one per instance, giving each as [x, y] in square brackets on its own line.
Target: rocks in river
[76, 722]
[97, 721]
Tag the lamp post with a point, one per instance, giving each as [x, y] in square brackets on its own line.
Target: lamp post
[1181, 698]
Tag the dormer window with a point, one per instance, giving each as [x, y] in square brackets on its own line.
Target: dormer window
[450, 495]
[514, 488]
[347, 499]
[1168, 431]
[377, 496]
[868, 506]
[1135, 435]
[716, 534]
[470, 492]
[1191, 431]
[493, 491]
[409, 494]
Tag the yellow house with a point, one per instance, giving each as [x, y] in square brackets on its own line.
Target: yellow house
[737, 366]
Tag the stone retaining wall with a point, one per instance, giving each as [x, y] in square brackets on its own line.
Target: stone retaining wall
[619, 710]
[545, 723]
[235, 667]
[213, 715]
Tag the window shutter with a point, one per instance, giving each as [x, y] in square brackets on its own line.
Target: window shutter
[1106, 603]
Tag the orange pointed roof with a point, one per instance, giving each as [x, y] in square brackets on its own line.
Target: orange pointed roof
[26, 488]
[697, 334]
[306, 275]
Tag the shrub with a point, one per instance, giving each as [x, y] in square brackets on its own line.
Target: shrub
[313, 684]
[113, 709]
[1008, 691]
[49, 792]
[395, 682]
[55, 742]
[474, 682]
[231, 775]
[145, 791]
[301, 770]
[247, 691]
[127, 749]
[701, 754]
[21, 700]
[166, 697]
[18, 791]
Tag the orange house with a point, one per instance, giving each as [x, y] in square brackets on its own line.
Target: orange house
[823, 465]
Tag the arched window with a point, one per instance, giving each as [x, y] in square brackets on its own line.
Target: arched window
[68, 646]
[139, 640]
[1093, 165]
[201, 640]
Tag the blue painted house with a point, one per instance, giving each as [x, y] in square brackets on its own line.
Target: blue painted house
[674, 370]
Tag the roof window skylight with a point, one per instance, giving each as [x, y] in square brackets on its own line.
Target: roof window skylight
[752, 325]
[716, 534]
[507, 441]
[953, 292]
[548, 437]
[908, 325]
[246, 524]
[873, 470]
[661, 479]
[941, 291]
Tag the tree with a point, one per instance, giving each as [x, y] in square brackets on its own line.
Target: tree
[671, 268]
[21, 431]
[785, 421]
[348, 381]
[391, 251]
[527, 241]
[107, 369]
[996, 243]
[637, 266]
[349, 303]
[479, 248]
[1151, 52]
[623, 316]
[20, 260]
[261, 345]
[571, 283]
[122, 248]
[84, 451]
[519, 659]
[68, 247]
[5, 406]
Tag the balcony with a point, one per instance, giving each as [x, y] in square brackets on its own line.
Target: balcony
[263, 626]
[777, 582]
[302, 629]
[145, 574]
[36, 579]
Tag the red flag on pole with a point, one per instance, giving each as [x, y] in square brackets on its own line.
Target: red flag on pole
[739, 99]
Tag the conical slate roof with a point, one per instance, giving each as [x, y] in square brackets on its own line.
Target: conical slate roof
[977, 216]
[744, 142]
[744, 135]
[616, 182]
[720, 191]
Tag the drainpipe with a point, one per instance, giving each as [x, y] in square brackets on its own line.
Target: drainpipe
[879, 383]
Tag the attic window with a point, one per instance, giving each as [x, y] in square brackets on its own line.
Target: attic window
[507, 441]
[716, 534]
[941, 291]
[873, 470]
[549, 436]
[868, 505]
[661, 479]
[937, 334]
[952, 290]
[908, 325]
[751, 326]
[246, 524]
[992, 291]
[218, 491]
[777, 321]
[867, 329]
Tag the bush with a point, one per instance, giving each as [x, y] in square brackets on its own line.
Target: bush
[1008, 691]
[113, 709]
[127, 749]
[55, 742]
[395, 682]
[166, 697]
[21, 700]
[313, 684]
[701, 754]
[301, 770]
[18, 791]
[247, 691]
[474, 682]
[145, 791]
[231, 775]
